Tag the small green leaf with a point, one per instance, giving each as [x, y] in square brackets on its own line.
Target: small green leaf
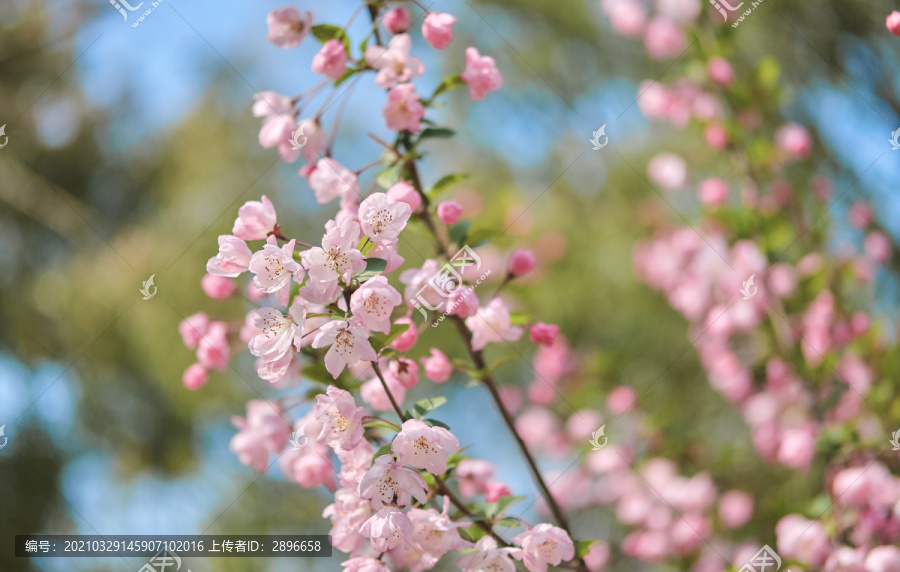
[500, 506]
[450, 82]
[473, 533]
[325, 32]
[317, 372]
[481, 236]
[380, 423]
[435, 422]
[582, 547]
[424, 406]
[387, 177]
[383, 450]
[459, 231]
[374, 267]
[437, 133]
[519, 318]
[507, 523]
[445, 183]
[345, 76]
[380, 341]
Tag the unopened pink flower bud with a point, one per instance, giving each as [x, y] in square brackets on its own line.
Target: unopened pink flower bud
[449, 212]
[521, 262]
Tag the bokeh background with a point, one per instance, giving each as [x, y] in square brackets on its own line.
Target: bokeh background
[130, 150]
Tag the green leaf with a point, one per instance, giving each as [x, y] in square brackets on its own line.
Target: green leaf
[345, 76]
[472, 533]
[380, 341]
[582, 547]
[437, 133]
[423, 406]
[519, 318]
[459, 231]
[507, 523]
[500, 506]
[325, 32]
[481, 236]
[389, 176]
[380, 423]
[445, 183]
[435, 422]
[450, 83]
[317, 372]
[383, 450]
[374, 267]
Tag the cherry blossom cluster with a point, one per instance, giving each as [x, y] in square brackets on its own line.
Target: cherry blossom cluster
[404, 493]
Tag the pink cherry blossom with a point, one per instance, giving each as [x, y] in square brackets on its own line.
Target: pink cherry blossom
[233, 258]
[349, 343]
[382, 219]
[213, 350]
[437, 366]
[278, 333]
[668, 170]
[404, 192]
[802, 539]
[195, 376]
[488, 558]
[256, 219]
[396, 20]
[795, 140]
[341, 418]
[394, 64]
[403, 110]
[347, 514]
[193, 328]
[598, 556]
[337, 257]
[249, 447]
[309, 467]
[521, 262]
[877, 246]
[388, 253]
[449, 212]
[492, 324]
[473, 476]
[316, 141]
[544, 334]
[331, 61]
[883, 559]
[373, 393]
[424, 447]
[542, 545]
[388, 481]
[388, 528]
[268, 104]
[714, 192]
[845, 559]
[331, 180]
[438, 29]
[277, 128]
[217, 287]
[720, 71]
[892, 22]
[664, 39]
[627, 17]
[481, 74]
[373, 303]
[495, 490]
[408, 338]
[715, 136]
[274, 268]
[735, 508]
[405, 371]
[288, 27]
[355, 463]
[364, 564]
[620, 399]
[435, 534]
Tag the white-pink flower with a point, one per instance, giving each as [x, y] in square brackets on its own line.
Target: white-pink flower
[288, 27]
[341, 418]
[338, 256]
[481, 74]
[394, 64]
[438, 29]
[404, 109]
[233, 258]
[489, 558]
[331, 180]
[437, 366]
[349, 343]
[491, 324]
[331, 61]
[388, 528]
[347, 514]
[373, 303]
[277, 331]
[365, 564]
[435, 534]
[382, 219]
[544, 544]
[279, 122]
[256, 219]
[274, 267]
[389, 482]
[424, 447]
